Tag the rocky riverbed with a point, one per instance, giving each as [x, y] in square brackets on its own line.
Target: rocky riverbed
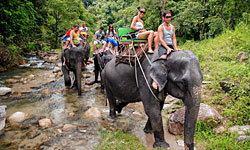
[42, 114]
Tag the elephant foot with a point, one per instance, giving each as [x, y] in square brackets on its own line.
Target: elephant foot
[164, 145]
[189, 146]
[112, 117]
[74, 88]
[148, 130]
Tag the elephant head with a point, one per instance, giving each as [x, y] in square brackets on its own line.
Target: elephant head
[75, 58]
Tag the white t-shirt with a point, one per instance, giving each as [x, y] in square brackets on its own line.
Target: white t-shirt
[110, 35]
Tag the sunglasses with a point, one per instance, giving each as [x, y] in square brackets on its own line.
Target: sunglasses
[143, 12]
[168, 16]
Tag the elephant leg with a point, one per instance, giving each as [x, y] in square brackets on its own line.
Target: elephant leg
[120, 106]
[148, 127]
[74, 87]
[112, 103]
[192, 103]
[97, 69]
[153, 110]
[67, 80]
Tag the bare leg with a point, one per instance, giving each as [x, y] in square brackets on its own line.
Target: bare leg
[64, 61]
[109, 44]
[103, 47]
[94, 48]
[149, 35]
[156, 41]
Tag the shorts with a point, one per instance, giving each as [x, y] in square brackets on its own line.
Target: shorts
[102, 41]
[162, 50]
[113, 41]
[67, 38]
[81, 39]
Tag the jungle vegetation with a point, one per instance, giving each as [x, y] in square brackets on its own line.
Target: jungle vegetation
[216, 30]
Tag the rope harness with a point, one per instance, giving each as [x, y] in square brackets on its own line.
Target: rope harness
[138, 57]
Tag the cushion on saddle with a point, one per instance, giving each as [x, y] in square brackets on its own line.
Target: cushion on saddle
[124, 37]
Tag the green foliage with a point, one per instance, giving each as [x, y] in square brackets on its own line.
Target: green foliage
[119, 140]
[206, 137]
[218, 61]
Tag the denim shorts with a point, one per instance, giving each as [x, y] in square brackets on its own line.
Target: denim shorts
[113, 41]
[162, 50]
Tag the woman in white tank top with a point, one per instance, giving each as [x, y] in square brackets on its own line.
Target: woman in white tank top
[137, 25]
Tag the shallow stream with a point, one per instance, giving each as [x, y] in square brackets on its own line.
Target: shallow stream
[63, 106]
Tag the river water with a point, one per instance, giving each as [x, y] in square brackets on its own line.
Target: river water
[64, 106]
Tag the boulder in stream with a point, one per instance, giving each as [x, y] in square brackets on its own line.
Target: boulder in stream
[17, 117]
[4, 91]
[45, 123]
[2, 116]
[206, 114]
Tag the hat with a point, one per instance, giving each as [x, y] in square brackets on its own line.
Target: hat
[83, 25]
[2, 116]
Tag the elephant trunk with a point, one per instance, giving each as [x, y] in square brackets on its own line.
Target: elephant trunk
[78, 76]
[192, 102]
[67, 80]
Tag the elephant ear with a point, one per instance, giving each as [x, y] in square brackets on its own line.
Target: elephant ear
[158, 72]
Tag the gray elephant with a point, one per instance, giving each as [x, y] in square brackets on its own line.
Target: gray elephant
[179, 75]
[75, 57]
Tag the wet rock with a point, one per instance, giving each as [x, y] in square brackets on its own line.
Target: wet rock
[59, 74]
[35, 86]
[71, 114]
[240, 129]
[52, 76]
[17, 94]
[5, 90]
[93, 113]
[56, 70]
[219, 129]
[31, 77]
[86, 88]
[17, 117]
[11, 81]
[45, 123]
[17, 77]
[57, 92]
[2, 116]
[69, 127]
[243, 138]
[33, 64]
[50, 81]
[242, 56]
[32, 133]
[59, 132]
[137, 115]
[46, 92]
[206, 114]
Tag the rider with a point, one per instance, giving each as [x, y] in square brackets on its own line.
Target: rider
[168, 42]
[75, 40]
[66, 38]
[83, 32]
[99, 39]
[167, 36]
[111, 35]
[141, 33]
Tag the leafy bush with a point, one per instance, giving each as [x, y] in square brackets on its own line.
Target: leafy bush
[218, 61]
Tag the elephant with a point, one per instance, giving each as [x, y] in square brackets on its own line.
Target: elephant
[75, 57]
[100, 60]
[178, 75]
